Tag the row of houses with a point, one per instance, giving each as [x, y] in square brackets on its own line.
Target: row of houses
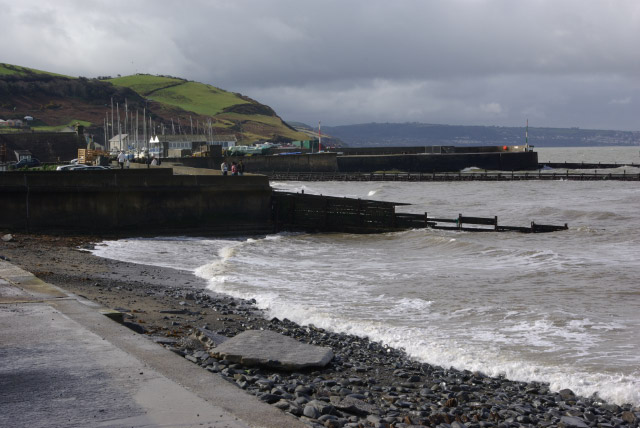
[11, 123]
[171, 145]
[16, 123]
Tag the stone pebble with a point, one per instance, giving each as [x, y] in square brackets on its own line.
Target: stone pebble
[368, 384]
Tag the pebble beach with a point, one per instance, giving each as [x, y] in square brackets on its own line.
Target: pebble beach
[367, 384]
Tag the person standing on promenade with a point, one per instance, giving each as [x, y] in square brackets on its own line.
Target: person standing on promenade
[224, 167]
[234, 169]
[122, 159]
[240, 168]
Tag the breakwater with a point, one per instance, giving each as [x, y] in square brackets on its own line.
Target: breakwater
[427, 163]
[453, 176]
[586, 165]
[403, 150]
[371, 161]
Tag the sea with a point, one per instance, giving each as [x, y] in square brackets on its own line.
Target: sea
[561, 308]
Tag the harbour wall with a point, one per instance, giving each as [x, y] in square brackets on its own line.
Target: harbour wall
[136, 201]
[506, 161]
[318, 162]
[333, 162]
[392, 150]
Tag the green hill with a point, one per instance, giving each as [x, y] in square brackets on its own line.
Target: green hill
[16, 70]
[189, 96]
[55, 100]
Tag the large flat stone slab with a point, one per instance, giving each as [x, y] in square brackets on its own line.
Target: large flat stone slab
[270, 349]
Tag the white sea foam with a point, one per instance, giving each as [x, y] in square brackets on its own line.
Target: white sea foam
[446, 352]
[616, 388]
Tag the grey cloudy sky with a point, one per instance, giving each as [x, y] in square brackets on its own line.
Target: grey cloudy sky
[559, 63]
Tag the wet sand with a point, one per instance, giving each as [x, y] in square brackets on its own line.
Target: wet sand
[146, 294]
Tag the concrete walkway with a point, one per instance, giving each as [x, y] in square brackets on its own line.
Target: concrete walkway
[63, 363]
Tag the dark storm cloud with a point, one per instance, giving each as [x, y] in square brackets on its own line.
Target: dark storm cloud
[496, 62]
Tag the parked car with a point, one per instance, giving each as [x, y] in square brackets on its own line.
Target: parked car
[80, 167]
[27, 163]
[87, 167]
[65, 167]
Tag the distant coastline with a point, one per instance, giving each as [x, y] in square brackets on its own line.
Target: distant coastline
[423, 134]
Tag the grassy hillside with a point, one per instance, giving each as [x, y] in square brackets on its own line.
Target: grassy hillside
[195, 97]
[16, 70]
[145, 84]
[72, 123]
[55, 100]
[230, 112]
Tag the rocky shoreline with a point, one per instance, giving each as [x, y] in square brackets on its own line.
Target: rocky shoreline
[367, 384]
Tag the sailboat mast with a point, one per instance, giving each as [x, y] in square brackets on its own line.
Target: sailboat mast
[119, 130]
[144, 126]
[126, 115]
[112, 123]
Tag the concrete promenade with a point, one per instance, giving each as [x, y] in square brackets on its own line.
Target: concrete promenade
[65, 364]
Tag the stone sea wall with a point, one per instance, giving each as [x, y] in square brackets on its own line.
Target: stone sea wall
[140, 201]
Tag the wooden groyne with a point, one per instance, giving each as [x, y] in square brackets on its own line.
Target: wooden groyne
[471, 224]
[317, 213]
[452, 176]
[586, 165]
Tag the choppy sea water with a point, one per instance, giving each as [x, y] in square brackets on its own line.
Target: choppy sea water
[563, 308]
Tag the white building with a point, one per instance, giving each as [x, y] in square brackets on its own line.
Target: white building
[119, 142]
[181, 145]
[225, 141]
